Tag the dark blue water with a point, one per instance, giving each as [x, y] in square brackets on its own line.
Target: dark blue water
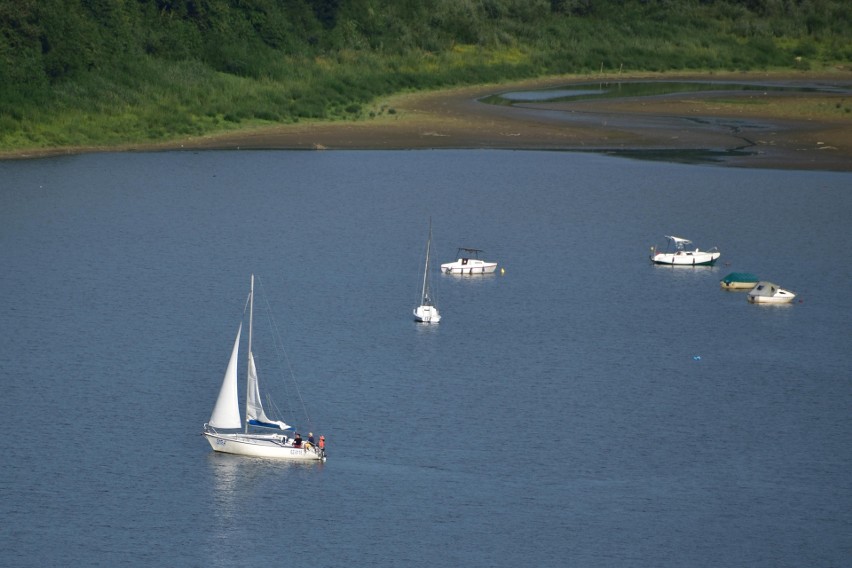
[584, 409]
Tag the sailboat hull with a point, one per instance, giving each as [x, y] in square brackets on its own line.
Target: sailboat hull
[261, 446]
[427, 314]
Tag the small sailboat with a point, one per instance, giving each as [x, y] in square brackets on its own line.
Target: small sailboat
[426, 312]
[222, 430]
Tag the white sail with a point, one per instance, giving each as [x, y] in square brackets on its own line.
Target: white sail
[254, 407]
[226, 413]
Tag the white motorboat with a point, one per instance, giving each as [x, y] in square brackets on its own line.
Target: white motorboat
[677, 254]
[769, 293]
[469, 263]
[427, 312]
[222, 430]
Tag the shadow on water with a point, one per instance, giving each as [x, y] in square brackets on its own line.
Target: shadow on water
[679, 156]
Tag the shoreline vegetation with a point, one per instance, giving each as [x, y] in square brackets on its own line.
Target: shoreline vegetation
[801, 130]
[90, 76]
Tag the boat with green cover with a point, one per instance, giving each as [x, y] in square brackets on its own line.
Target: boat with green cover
[739, 281]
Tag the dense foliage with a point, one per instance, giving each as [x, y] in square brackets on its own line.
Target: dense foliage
[111, 71]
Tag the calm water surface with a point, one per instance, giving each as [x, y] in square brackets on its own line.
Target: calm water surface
[612, 90]
[584, 409]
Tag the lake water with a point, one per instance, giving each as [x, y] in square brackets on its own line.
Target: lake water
[620, 89]
[585, 408]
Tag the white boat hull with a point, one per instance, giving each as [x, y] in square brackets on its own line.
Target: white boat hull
[427, 314]
[471, 266]
[781, 297]
[769, 293]
[734, 285]
[686, 258]
[260, 446]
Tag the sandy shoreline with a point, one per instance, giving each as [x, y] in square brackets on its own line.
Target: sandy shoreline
[770, 130]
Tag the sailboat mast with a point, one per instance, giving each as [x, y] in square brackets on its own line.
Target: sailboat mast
[426, 269]
[249, 357]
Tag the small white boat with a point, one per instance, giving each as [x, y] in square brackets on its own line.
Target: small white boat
[226, 416]
[677, 254]
[769, 293]
[427, 312]
[469, 263]
[739, 281]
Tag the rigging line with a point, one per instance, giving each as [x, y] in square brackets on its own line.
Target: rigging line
[246, 306]
[431, 285]
[278, 349]
[279, 343]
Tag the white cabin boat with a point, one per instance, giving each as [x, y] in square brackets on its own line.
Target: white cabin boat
[769, 293]
[677, 254]
[222, 430]
[469, 263]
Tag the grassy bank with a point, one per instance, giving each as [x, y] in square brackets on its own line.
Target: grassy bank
[107, 74]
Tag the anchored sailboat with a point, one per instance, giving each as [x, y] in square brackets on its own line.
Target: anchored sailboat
[426, 312]
[226, 415]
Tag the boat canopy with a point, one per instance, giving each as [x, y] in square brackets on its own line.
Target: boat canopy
[740, 277]
[680, 242]
[764, 288]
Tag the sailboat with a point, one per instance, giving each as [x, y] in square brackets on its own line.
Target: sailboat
[223, 428]
[426, 312]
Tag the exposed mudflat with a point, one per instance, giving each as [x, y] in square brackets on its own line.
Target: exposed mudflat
[799, 130]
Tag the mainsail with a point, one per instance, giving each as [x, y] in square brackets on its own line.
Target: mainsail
[255, 415]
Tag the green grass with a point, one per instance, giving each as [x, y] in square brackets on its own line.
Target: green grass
[194, 74]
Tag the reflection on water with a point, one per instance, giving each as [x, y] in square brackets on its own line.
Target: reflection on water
[242, 495]
[225, 477]
[680, 156]
[550, 94]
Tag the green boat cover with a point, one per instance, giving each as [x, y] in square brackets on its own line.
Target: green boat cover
[740, 277]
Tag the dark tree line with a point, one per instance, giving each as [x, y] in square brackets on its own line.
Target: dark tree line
[46, 41]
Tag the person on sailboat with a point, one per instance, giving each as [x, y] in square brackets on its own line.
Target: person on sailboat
[322, 443]
[311, 438]
[297, 441]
